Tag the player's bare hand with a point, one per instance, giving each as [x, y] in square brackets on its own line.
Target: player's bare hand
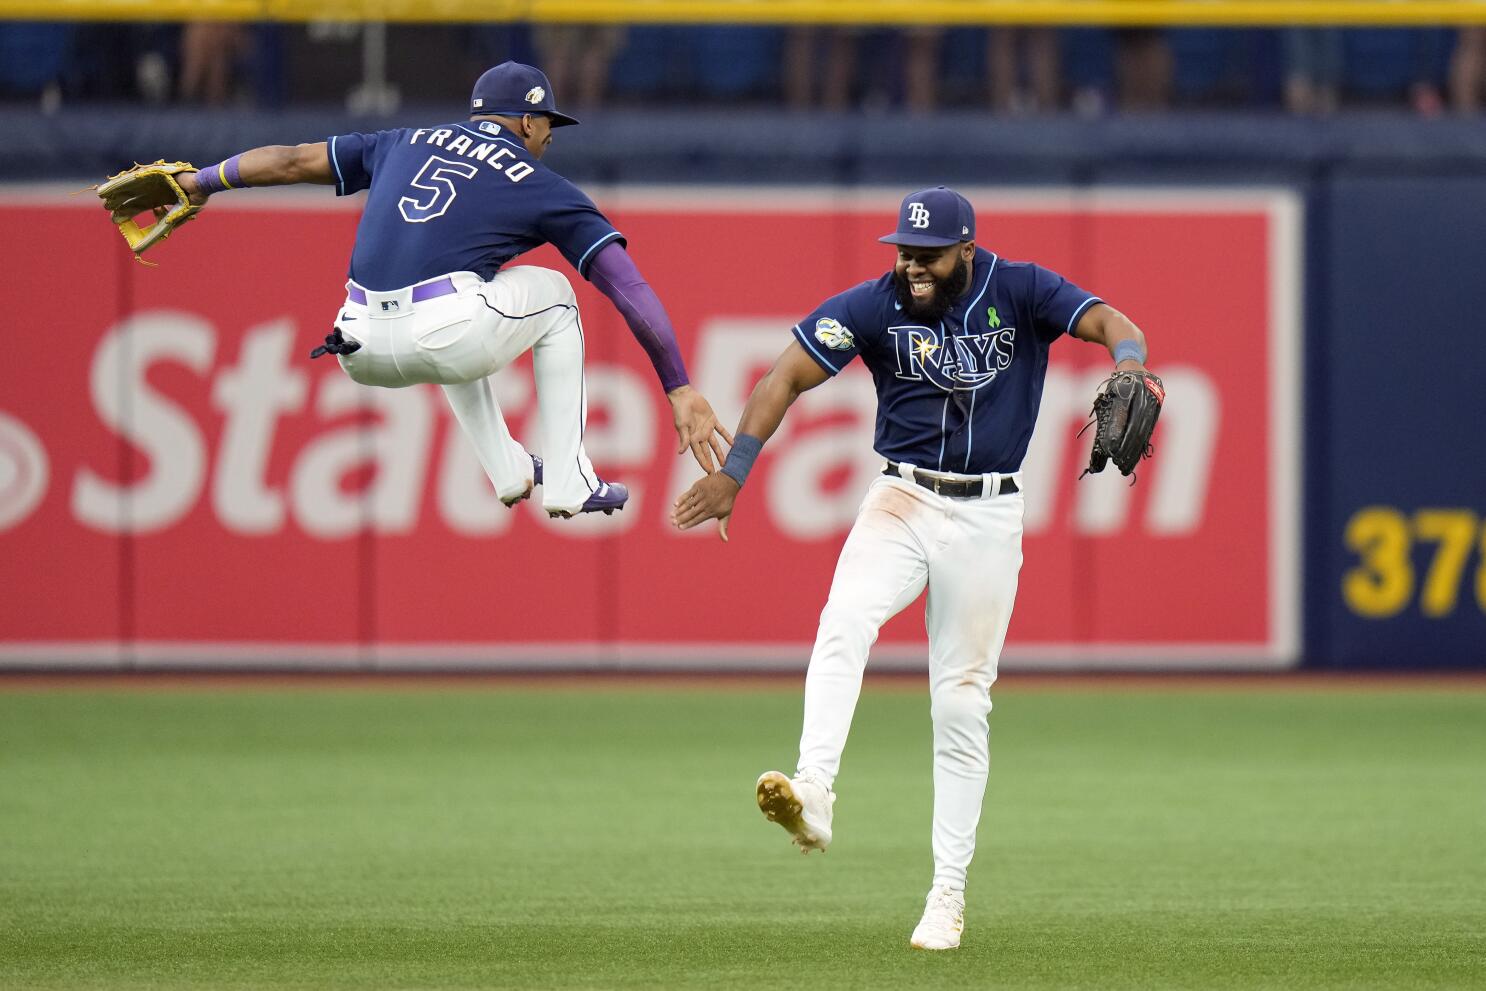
[710, 498]
[698, 428]
[191, 188]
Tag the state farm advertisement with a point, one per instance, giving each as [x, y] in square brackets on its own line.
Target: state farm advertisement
[179, 484]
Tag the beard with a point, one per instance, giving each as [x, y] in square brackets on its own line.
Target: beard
[946, 292]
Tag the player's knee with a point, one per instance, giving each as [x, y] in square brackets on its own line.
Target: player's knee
[962, 704]
[843, 622]
[961, 729]
[561, 288]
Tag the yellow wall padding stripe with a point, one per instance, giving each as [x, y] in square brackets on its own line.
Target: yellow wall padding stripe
[1231, 13]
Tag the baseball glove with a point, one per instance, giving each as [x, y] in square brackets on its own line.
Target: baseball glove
[1125, 411]
[148, 189]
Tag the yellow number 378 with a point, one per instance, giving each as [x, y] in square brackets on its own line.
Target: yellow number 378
[1383, 582]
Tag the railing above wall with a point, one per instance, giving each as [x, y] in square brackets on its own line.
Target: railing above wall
[772, 147]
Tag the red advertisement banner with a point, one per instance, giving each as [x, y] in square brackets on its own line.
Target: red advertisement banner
[179, 484]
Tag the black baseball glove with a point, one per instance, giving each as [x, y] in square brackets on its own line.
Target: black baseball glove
[1125, 411]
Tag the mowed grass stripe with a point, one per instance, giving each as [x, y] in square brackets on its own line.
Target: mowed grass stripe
[557, 838]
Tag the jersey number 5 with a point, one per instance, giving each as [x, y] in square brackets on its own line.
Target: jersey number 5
[435, 189]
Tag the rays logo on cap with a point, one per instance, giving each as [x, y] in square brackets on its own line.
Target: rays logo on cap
[535, 95]
[834, 336]
[918, 215]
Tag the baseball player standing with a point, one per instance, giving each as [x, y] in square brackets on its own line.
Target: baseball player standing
[957, 342]
[429, 299]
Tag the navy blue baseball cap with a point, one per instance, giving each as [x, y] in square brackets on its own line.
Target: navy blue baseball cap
[513, 89]
[933, 218]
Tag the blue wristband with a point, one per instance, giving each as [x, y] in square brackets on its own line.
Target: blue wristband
[1129, 350]
[741, 457]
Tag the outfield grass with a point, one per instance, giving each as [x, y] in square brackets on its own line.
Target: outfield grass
[519, 837]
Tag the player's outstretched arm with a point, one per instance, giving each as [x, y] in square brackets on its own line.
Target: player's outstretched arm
[271, 165]
[1103, 324]
[712, 498]
[614, 273]
[171, 193]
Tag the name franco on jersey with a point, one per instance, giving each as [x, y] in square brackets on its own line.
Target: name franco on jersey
[493, 153]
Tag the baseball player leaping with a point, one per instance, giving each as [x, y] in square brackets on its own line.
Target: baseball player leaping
[428, 299]
[957, 342]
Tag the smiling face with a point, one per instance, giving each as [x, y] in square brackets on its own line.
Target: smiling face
[929, 280]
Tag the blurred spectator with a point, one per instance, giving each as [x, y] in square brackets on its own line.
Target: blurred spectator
[825, 60]
[576, 59]
[1467, 69]
[1313, 70]
[921, 68]
[209, 54]
[1025, 69]
[1143, 69]
[819, 67]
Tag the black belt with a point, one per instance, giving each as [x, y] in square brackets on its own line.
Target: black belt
[955, 488]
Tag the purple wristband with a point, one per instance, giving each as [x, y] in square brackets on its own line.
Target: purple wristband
[222, 176]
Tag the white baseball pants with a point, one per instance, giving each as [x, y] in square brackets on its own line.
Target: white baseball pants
[967, 552]
[460, 339]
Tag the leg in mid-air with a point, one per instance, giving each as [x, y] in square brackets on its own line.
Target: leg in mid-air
[439, 340]
[510, 468]
[881, 570]
[530, 308]
[972, 586]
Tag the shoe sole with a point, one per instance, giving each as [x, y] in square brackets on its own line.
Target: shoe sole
[564, 515]
[777, 801]
[932, 949]
[513, 503]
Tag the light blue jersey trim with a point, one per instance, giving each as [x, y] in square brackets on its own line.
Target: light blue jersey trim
[943, 417]
[943, 423]
[970, 430]
[989, 272]
[583, 261]
[340, 180]
[1073, 321]
[970, 418]
[819, 358]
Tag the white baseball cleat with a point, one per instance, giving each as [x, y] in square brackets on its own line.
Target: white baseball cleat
[944, 919]
[801, 804]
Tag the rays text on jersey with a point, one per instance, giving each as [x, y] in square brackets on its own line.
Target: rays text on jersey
[963, 361]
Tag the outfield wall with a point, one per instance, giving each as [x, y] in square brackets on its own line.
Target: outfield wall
[179, 486]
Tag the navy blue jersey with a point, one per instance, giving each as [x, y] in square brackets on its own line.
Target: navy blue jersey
[961, 396]
[462, 197]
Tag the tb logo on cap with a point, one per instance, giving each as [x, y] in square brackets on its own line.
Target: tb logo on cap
[918, 215]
